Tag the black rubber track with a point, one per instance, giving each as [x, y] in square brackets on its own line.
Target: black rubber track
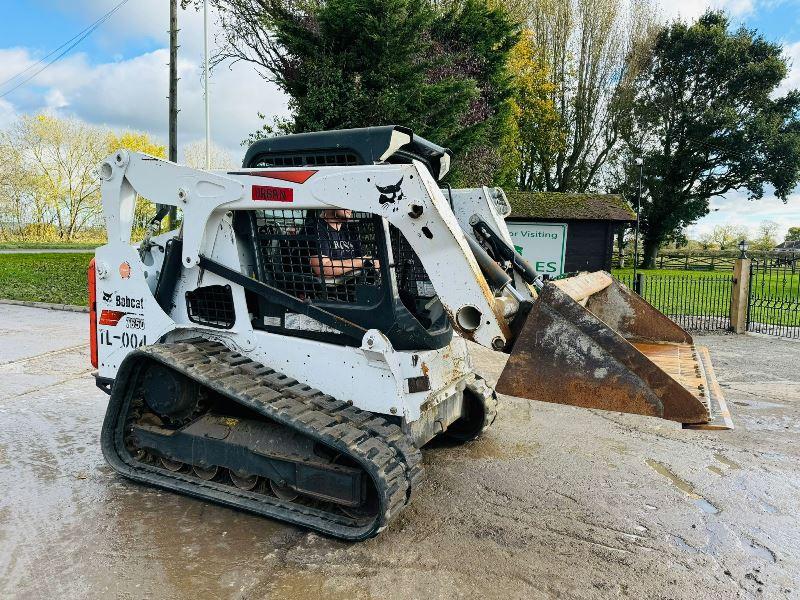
[386, 454]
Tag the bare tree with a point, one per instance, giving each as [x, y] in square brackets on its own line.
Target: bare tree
[48, 174]
[726, 237]
[593, 50]
[63, 155]
[194, 155]
[766, 236]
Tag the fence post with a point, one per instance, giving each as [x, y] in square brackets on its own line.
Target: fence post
[638, 283]
[740, 297]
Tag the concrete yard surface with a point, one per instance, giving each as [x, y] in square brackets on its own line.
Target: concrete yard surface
[554, 502]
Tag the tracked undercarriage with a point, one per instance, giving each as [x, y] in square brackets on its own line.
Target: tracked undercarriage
[197, 418]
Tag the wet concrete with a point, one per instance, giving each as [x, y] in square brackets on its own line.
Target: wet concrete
[554, 502]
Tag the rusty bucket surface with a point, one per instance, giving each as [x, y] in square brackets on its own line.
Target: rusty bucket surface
[589, 341]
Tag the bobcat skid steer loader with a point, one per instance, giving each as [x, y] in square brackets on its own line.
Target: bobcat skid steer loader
[290, 348]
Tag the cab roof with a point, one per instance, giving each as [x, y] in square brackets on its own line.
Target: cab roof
[345, 147]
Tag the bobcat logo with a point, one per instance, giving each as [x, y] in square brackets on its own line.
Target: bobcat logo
[107, 296]
[390, 193]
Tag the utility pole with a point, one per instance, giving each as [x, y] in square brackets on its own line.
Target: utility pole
[173, 94]
[205, 80]
[636, 284]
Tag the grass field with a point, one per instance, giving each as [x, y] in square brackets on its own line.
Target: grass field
[49, 245]
[773, 283]
[46, 277]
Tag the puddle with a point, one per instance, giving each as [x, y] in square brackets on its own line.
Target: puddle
[682, 544]
[716, 470]
[769, 508]
[683, 486]
[301, 585]
[759, 550]
[488, 448]
[618, 448]
[727, 461]
[706, 506]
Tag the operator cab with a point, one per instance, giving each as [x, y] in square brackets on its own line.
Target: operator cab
[354, 265]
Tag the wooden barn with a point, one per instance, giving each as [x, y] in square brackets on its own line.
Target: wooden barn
[583, 225]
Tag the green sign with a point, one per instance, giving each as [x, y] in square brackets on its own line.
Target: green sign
[543, 245]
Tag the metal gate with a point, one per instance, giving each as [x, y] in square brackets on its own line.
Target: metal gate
[695, 301]
[774, 305]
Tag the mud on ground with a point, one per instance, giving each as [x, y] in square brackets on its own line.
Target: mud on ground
[555, 502]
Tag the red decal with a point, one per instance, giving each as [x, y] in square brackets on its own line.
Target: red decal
[293, 176]
[111, 317]
[269, 193]
[92, 283]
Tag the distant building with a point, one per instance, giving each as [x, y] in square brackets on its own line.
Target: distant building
[788, 247]
[562, 233]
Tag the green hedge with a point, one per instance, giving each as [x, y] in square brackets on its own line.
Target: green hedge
[46, 277]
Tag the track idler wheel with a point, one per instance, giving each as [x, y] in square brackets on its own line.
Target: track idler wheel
[171, 465]
[169, 394]
[480, 410]
[205, 473]
[243, 481]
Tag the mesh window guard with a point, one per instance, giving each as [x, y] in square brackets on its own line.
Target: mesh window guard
[412, 279]
[322, 256]
[317, 159]
[211, 305]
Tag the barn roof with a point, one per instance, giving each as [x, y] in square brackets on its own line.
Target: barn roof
[792, 246]
[574, 207]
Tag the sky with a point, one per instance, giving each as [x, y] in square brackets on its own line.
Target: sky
[117, 77]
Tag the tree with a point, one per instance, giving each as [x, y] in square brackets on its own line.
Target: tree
[706, 241]
[15, 182]
[52, 164]
[535, 119]
[194, 155]
[138, 142]
[474, 39]
[437, 67]
[708, 121]
[592, 52]
[793, 235]
[59, 157]
[766, 237]
[725, 237]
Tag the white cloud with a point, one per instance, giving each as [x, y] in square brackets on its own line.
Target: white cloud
[55, 100]
[735, 209]
[132, 94]
[792, 81]
[691, 9]
[142, 18]
[7, 113]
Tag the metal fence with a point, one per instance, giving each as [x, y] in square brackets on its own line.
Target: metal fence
[700, 302]
[708, 260]
[774, 297]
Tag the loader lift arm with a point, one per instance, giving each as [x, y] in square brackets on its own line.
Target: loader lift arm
[585, 342]
[419, 211]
